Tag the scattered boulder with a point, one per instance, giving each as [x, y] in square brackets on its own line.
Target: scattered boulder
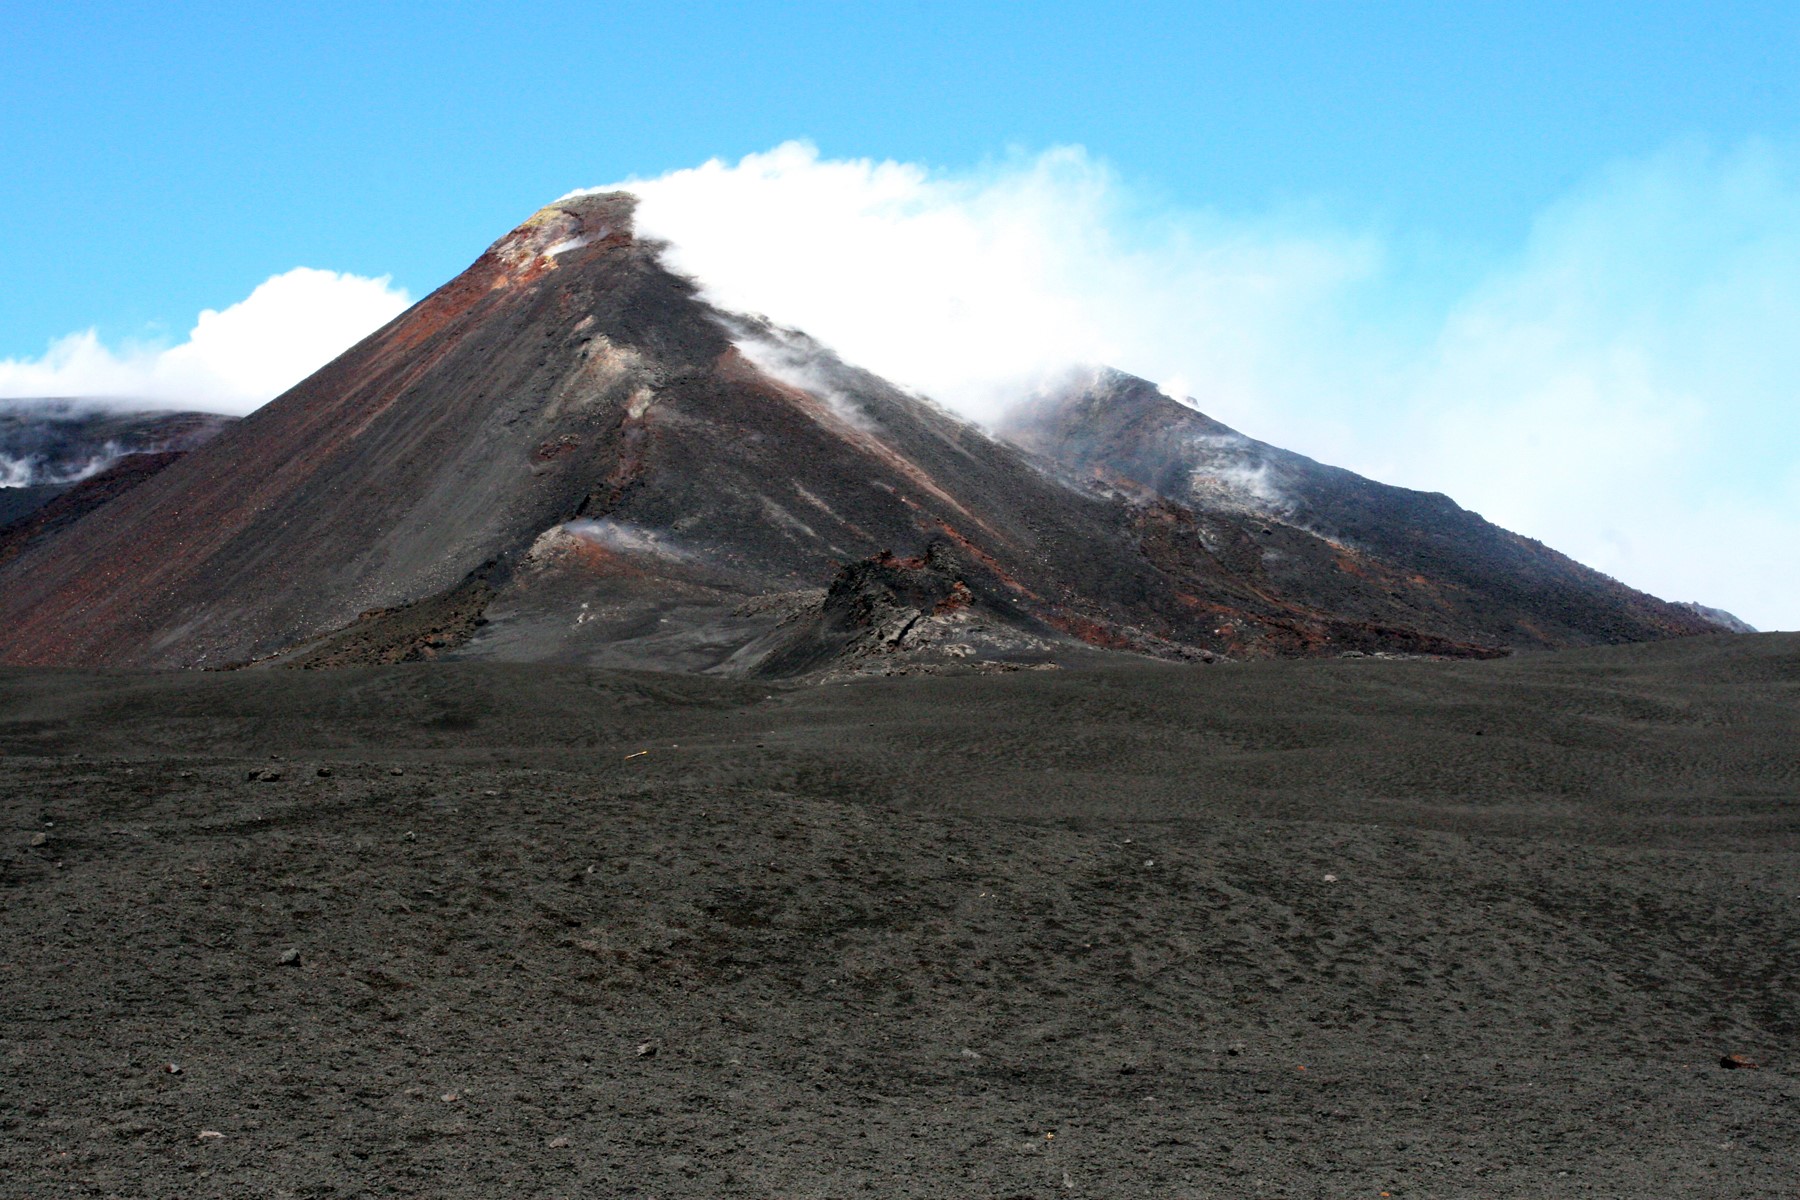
[1739, 1062]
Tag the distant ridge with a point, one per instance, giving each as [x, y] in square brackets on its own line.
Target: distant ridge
[50, 445]
[57, 441]
[1716, 616]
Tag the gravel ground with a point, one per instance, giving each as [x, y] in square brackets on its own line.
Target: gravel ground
[1288, 929]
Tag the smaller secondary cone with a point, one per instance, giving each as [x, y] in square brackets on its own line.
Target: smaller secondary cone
[564, 454]
[1327, 538]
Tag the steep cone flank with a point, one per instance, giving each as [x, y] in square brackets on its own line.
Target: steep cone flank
[564, 454]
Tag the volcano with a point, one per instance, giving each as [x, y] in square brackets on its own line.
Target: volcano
[565, 454]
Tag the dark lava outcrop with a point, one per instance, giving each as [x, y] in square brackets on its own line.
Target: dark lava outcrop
[888, 608]
[564, 454]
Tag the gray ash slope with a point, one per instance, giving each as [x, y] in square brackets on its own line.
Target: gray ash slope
[1438, 929]
[565, 455]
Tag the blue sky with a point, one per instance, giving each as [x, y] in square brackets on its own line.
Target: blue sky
[167, 158]
[1477, 218]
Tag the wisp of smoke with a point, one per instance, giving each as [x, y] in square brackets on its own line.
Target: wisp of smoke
[784, 356]
[624, 537]
[36, 470]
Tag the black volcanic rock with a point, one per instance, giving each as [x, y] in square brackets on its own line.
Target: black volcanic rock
[888, 608]
[565, 455]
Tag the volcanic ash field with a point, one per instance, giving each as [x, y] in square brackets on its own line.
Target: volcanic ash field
[1426, 929]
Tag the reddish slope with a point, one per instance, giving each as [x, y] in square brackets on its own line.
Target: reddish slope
[70, 504]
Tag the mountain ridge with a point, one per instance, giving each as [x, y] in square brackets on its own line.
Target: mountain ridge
[565, 454]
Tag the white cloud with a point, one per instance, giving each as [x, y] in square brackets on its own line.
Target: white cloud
[1623, 385]
[233, 360]
[962, 285]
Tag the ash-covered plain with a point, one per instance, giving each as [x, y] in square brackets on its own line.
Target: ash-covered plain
[1334, 929]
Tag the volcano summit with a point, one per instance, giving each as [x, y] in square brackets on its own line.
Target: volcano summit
[565, 454]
